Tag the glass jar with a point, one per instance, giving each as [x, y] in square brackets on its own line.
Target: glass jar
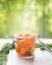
[25, 45]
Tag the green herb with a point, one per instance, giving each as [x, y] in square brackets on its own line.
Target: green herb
[3, 58]
[39, 45]
[5, 48]
[4, 52]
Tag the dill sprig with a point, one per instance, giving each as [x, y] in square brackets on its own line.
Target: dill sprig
[4, 52]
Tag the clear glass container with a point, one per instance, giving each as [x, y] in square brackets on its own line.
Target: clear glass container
[25, 45]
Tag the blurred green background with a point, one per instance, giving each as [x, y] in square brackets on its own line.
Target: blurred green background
[33, 16]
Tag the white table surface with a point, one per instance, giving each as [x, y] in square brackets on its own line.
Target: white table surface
[3, 41]
[40, 57]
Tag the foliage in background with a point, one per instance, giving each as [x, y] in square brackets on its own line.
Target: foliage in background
[25, 16]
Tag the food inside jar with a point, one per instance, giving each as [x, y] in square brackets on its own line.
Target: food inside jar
[25, 47]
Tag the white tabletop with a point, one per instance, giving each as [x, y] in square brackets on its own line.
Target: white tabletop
[3, 41]
[40, 58]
